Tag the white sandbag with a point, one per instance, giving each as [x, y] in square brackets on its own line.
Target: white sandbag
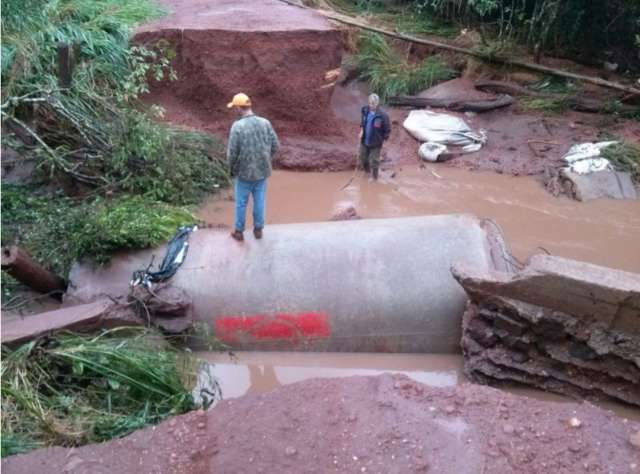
[428, 126]
[582, 151]
[431, 151]
[584, 158]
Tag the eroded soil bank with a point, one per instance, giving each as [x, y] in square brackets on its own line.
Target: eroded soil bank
[385, 424]
[603, 232]
[285, 58]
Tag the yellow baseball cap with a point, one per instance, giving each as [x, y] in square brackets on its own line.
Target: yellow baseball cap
[240, 100]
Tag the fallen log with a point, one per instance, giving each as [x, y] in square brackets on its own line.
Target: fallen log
[347, 20]
[453, 104]
[19, 264]
[581, 104]
[501, 87]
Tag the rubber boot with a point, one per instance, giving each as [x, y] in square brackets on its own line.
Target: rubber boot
[375, 173]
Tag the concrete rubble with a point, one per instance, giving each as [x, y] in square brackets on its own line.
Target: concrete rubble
[597, 185]
[165, 307]
[560, 325]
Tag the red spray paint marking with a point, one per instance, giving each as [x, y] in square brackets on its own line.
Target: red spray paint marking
[279, 326]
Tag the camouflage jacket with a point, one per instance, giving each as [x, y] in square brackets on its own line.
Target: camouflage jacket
[252, 145]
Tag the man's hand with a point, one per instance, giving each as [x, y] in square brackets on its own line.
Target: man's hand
[360, 134]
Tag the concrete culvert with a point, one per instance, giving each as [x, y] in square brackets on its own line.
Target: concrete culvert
[381, 285]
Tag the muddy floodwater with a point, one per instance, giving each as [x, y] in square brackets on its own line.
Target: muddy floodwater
[604, 232]
[241, 373]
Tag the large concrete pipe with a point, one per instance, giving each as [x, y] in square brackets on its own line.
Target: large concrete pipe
[366, 285]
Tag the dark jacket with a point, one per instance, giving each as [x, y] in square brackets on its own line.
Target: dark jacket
[381, 126]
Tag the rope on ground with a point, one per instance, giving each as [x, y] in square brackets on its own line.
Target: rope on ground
[355, 172]
[506, 255]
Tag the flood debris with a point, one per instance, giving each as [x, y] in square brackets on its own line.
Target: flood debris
[588, 175]
[90, 316]
[560, 325]
[345, 212]
[165, 307]
[599, 184]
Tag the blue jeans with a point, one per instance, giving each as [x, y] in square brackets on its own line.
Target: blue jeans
[258, 189]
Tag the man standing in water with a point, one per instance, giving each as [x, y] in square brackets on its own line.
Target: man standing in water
[374, 130]
[252, 145]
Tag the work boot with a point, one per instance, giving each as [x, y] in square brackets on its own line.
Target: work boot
[257, 233]
[239, 236]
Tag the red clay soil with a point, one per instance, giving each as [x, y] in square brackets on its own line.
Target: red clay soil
[519, 142]
[280, 55]
[386, 424]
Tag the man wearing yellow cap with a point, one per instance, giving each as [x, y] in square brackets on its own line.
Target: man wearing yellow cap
[252, 145]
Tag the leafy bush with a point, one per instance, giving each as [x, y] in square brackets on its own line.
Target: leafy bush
[97, 132]
[58, 230]
[389, 75]
[587, 30]
[75, 389]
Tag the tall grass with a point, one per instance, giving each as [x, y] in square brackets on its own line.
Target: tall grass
[389, 74]
[76, 389]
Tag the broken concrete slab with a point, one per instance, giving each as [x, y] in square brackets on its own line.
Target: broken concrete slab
[557, 324]
[165, 307]
[581, 289]
[599, 184]
[100, 314]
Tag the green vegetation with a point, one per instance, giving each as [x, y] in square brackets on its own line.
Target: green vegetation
[58, 230]
[624, 156]
[388, 74]
[75, 389]
[418, 24]
[97, 132]
[592, 32]
[96, 137]
[588, 31]
[548, 105]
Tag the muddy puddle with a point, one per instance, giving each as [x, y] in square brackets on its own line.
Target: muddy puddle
[604, 232]
[258, 372]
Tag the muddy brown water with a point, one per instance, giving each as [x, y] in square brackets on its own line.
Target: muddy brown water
[259, 372]
[603, 232]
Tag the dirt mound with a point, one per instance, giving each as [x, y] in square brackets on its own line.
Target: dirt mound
[283, 72]
[280, 55]
[386, 424]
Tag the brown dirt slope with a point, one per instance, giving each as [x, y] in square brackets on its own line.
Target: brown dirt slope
[277, 54]
[386, 424]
